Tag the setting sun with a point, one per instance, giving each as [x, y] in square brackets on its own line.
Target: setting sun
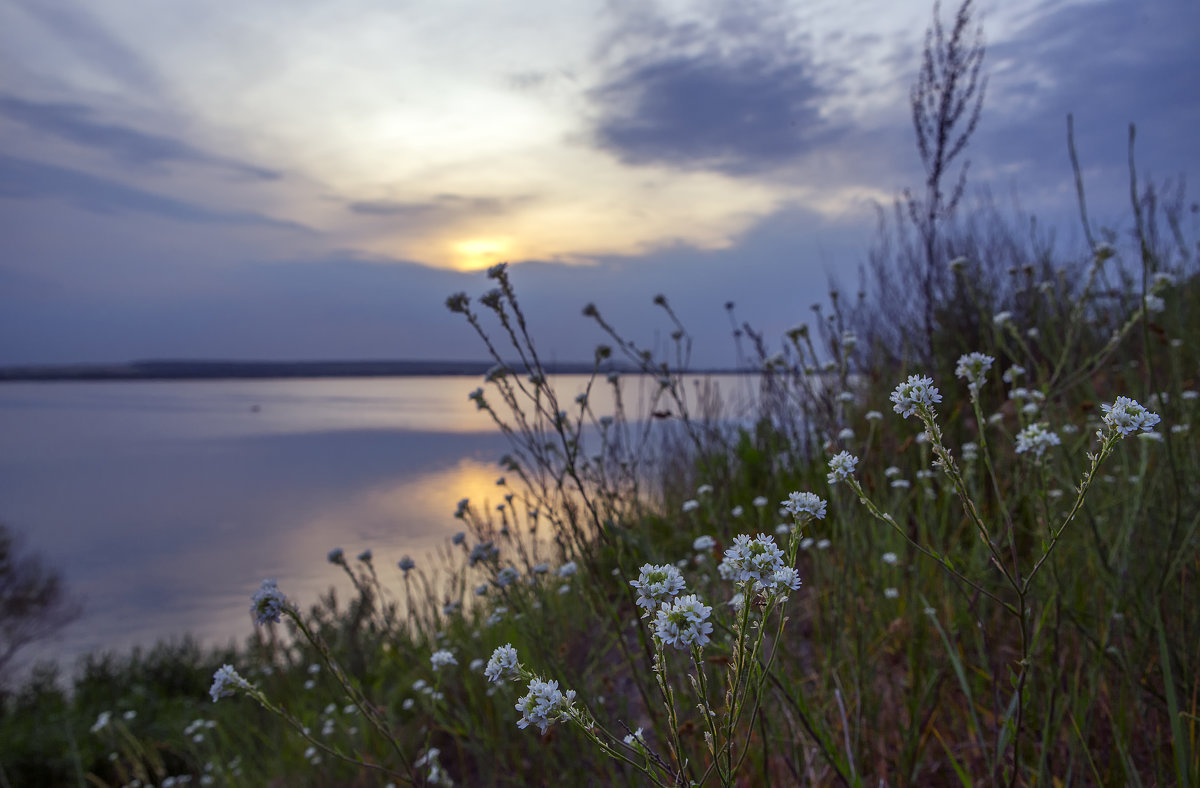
[480, 253]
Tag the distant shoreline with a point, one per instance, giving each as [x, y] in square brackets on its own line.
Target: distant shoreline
[246, 370]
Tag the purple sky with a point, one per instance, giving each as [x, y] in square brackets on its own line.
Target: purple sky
[298, 179]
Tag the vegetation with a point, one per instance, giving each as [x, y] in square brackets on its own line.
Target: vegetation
[998, 548]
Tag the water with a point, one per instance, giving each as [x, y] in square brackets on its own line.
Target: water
[165, 503]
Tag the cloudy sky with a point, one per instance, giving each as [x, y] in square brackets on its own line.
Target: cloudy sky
[306, 179]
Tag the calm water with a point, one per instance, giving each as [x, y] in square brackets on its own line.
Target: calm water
[165, 503]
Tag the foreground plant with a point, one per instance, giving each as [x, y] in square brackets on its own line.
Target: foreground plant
[917, 396]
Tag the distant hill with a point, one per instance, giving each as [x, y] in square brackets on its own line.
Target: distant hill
[216, 370]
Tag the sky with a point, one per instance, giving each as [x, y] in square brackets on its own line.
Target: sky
[303, 179]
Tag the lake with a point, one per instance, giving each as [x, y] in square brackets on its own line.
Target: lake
[165, 503]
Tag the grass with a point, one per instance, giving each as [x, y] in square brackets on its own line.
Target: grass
[989, 618]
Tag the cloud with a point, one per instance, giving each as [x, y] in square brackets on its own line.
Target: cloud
[86, 39]
[1110, 64]
[736, 95]
[442, 206]
[26, 179]
[74, 123]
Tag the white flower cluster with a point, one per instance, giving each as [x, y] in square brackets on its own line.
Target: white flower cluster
[1126, 416]
[268, 603]
[683, 622]
[758, 560]
[841, 467]
[916, 392]
[973, 368]
[442, 658]
[502, 664]
[656, 582]
[225, 681]
[543, 704]
[804, 503]
[1035, 439]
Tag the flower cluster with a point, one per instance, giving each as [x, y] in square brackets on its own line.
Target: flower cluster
[915, 393]
[442, 658]
[543, 704]
[502, 664]
[973, 368]
[225, 681]
[753, 559]
[656, 582]
[1126, 416]
[805, 503]
[268, 603]
[683, 622]
[1035, 439]
[841, 467]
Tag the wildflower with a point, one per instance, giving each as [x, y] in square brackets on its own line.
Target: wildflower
[1012, 373]
[683, 622]
[365, 556]
[484, 551]
[1189, 394]
[442, 658]
[846, 434]
[503, 663]
[703, 543]
[541, 569]
[636, 741]
[841, 466]
[754, 559]
[507, 576]
[225, 681]
[873, 415]
[925, 473]
[786, 577]
[973, 368]
[959, 263]
[846, 396]
[1152, 436]
[459, 538]
[903, 484]
[805, 503]
[543, 704]
[1125, 416]
[891, 471]
[890, 559]
[103, 720]
[891, 593]
[1002, 319]
[704, 489]
[1154, 304]
[691, 505]
[915, 393]
[824, 544]
[760, 501]
[807, 542]
[336, 555]
[267, 603]
[736, 512]
[1036, 439]
[461, 510]
[568, 569]
[656, 582]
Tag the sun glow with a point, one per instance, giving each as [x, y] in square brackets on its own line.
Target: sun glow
[479, 253]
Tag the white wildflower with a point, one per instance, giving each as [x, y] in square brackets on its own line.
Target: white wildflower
[915, 393]
[683, 622]
[656, 582]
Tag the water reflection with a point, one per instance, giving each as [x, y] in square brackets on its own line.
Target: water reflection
[166, 503]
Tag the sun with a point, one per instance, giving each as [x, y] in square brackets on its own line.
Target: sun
[478, 253]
